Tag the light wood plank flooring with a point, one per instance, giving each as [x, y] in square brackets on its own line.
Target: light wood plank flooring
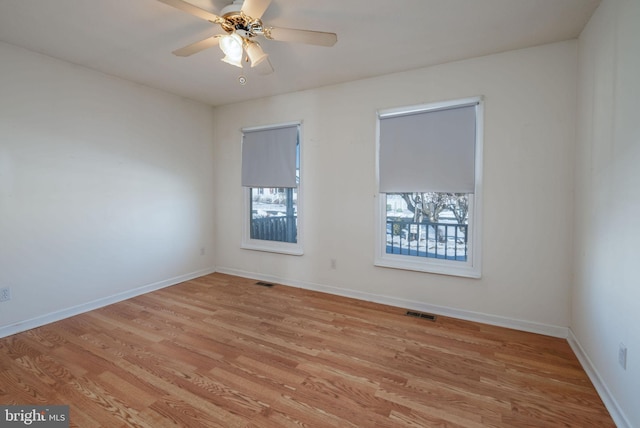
[222, 351]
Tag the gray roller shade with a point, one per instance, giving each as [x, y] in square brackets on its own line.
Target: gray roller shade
[269, 157]
[428, 151]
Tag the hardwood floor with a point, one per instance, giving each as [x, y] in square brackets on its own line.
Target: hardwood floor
[222, 351]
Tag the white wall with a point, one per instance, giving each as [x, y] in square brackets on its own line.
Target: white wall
[606, 294]
[105, 188]
[530, 102]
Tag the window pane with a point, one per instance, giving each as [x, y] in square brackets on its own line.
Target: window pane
[274, 214]
[428, 225]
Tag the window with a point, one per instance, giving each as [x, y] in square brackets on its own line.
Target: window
[429, 165]
[272, 190]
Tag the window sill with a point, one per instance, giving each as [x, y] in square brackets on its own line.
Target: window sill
[440, 267]
[273, 247]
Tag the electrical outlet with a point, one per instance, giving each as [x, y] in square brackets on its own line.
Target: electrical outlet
[622, 356]
[5, 294]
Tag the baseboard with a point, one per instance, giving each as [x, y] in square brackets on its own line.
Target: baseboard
[609, 401]
[99, 303]
[528, 326]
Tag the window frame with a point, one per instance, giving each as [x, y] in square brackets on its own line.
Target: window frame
[472, 268]
[288, 248]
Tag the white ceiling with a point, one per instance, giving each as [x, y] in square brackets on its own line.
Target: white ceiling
[133, 39]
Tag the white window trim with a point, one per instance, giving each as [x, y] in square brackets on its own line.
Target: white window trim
[295, 249]
[472, 268]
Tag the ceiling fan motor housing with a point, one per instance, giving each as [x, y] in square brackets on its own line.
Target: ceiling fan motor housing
[236, 21]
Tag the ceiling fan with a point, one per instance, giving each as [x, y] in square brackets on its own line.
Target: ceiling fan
[242, 25]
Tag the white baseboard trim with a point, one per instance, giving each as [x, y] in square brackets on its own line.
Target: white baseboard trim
[618, 416]
[39, 321]
[528, 326]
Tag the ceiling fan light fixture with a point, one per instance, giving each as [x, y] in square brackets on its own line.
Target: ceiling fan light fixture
[233, 61]
[231, 45]
[255, 53]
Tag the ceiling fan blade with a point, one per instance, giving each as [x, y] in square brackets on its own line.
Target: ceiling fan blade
[197, 46]
[255, 8]
[264, 67]
[319, 38]
[193, 10]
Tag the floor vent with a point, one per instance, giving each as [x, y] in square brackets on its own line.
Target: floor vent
[415, 314]
[264, 284]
